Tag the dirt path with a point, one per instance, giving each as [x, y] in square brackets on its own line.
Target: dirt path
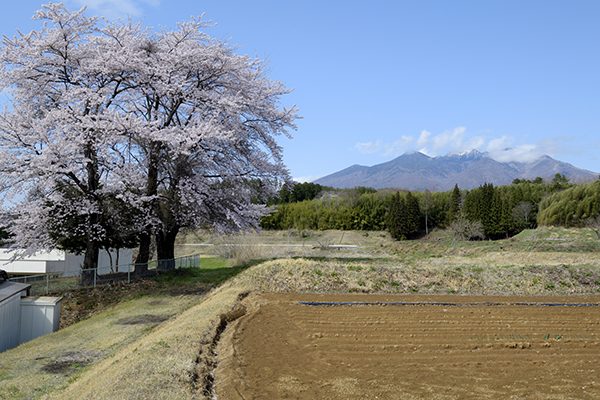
[282, 349]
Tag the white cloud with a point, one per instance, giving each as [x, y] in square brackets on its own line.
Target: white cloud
[117, 8]
[523, 152]
[458, 140]
[453, 138]
[476, 142]
[423, 138]
[398, 147]
[430, 144]
[455, 141]
[368, 147]
[500, 143]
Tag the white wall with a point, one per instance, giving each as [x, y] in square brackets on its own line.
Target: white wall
[57, 261]
[36, 264]
[125, 260]
[39, 316]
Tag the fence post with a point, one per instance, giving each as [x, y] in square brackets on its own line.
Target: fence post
[129, 274]
[95, 279]
[47, 283]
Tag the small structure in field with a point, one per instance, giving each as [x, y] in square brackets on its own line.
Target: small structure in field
[23, 318]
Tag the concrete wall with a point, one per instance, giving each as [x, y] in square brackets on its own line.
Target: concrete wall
[39, 316]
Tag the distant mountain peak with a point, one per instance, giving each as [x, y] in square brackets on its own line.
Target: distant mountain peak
[473, 152]
[468, 154]
[469, 169]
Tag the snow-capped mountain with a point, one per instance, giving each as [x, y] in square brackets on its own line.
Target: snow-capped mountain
[417, 171]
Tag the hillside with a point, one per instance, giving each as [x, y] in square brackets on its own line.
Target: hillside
[160, 343]
[417, 171]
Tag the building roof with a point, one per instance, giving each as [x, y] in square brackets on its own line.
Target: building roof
[9, 289]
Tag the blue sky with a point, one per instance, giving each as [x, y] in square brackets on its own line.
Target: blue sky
[376, 79]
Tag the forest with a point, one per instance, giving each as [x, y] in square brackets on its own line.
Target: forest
[485, 212]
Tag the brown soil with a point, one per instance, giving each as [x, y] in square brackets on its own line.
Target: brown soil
[68, 362]
[281, 349]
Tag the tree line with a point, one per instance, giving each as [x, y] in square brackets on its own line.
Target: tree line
[488, 211]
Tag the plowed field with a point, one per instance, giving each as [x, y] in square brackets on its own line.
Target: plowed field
[463, 347]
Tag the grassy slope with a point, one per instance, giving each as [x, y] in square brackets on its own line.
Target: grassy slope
[56, 360]
[166, 363]
[53, 362]
[164, 360]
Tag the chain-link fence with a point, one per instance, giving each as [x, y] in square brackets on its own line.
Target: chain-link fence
[42, 284]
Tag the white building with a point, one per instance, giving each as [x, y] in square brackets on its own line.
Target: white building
[58, 261]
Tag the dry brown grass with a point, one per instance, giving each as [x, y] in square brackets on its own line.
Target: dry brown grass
[242, 249]
[277, 244]
[39, 367]
[428, 277]
[165, 364]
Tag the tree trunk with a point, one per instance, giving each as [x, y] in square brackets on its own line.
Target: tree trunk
[110, 260]
[165, 238]
[90, 261]
[165, 248]
[141, 261]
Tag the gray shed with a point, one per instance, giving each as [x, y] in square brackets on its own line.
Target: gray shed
[10, 313]
[23, 318]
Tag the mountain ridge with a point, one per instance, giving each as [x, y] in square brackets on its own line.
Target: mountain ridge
[418, 171]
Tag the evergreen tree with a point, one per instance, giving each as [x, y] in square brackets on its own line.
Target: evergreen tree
[454, 208]
[559, 182]
[488, 209]
[507, 223]
[413, 215]
[470, 209]
[396, 218]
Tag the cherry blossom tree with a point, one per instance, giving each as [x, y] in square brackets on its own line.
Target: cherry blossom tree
[62, 129]
[174, 125]
[204, 123]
